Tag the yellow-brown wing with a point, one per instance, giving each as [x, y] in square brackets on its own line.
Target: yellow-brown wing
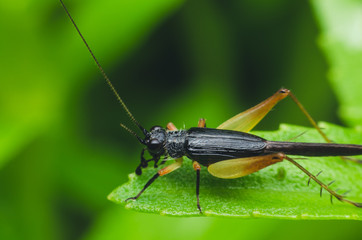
[235, 168]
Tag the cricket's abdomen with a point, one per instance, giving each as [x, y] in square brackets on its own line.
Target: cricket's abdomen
[208, 145]
[313, 149]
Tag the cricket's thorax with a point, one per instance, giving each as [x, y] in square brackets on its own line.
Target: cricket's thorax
[175, 143]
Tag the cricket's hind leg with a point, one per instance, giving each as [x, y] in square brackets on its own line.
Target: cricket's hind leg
[313, 122]
[323, 186]
[248, 119]
[356, 160]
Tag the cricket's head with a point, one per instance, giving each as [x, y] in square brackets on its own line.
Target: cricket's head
[155, 141]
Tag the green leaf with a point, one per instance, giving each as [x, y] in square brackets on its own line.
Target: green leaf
[341, 40]
[279, 191]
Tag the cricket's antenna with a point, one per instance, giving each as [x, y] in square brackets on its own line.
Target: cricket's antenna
[133, 133]
[104, 74]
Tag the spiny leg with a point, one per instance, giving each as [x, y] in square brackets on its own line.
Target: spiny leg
[170, 168]
[313, 122]
[315, 176]
[323, 186]
[248, 119]
[310, 119]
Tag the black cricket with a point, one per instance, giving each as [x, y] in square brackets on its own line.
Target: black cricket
[207, 146]
[228, 151]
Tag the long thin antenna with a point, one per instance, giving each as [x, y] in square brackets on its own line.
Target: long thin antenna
[133, 133]
[104, 74]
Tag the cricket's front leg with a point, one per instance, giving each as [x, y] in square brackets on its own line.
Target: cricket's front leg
[144, 162]
[161, 172]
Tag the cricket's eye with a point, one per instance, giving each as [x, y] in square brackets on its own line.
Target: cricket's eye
[154, 144]
[155, 128]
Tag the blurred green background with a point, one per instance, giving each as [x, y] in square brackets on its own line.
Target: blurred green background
[62, 150]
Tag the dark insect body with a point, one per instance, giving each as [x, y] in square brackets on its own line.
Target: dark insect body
[208, 146]
[228, 151]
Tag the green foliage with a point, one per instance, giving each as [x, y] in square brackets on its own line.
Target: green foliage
[62, 150]
[341, 40]
[279, 191]
[33, 99]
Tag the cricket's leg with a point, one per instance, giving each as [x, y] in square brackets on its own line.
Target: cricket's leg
[144, 162]
[202, 123]
[311, 120]
[248, 119]
[170, 126]
[161, 172]
[197, 168]
[323, 186]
